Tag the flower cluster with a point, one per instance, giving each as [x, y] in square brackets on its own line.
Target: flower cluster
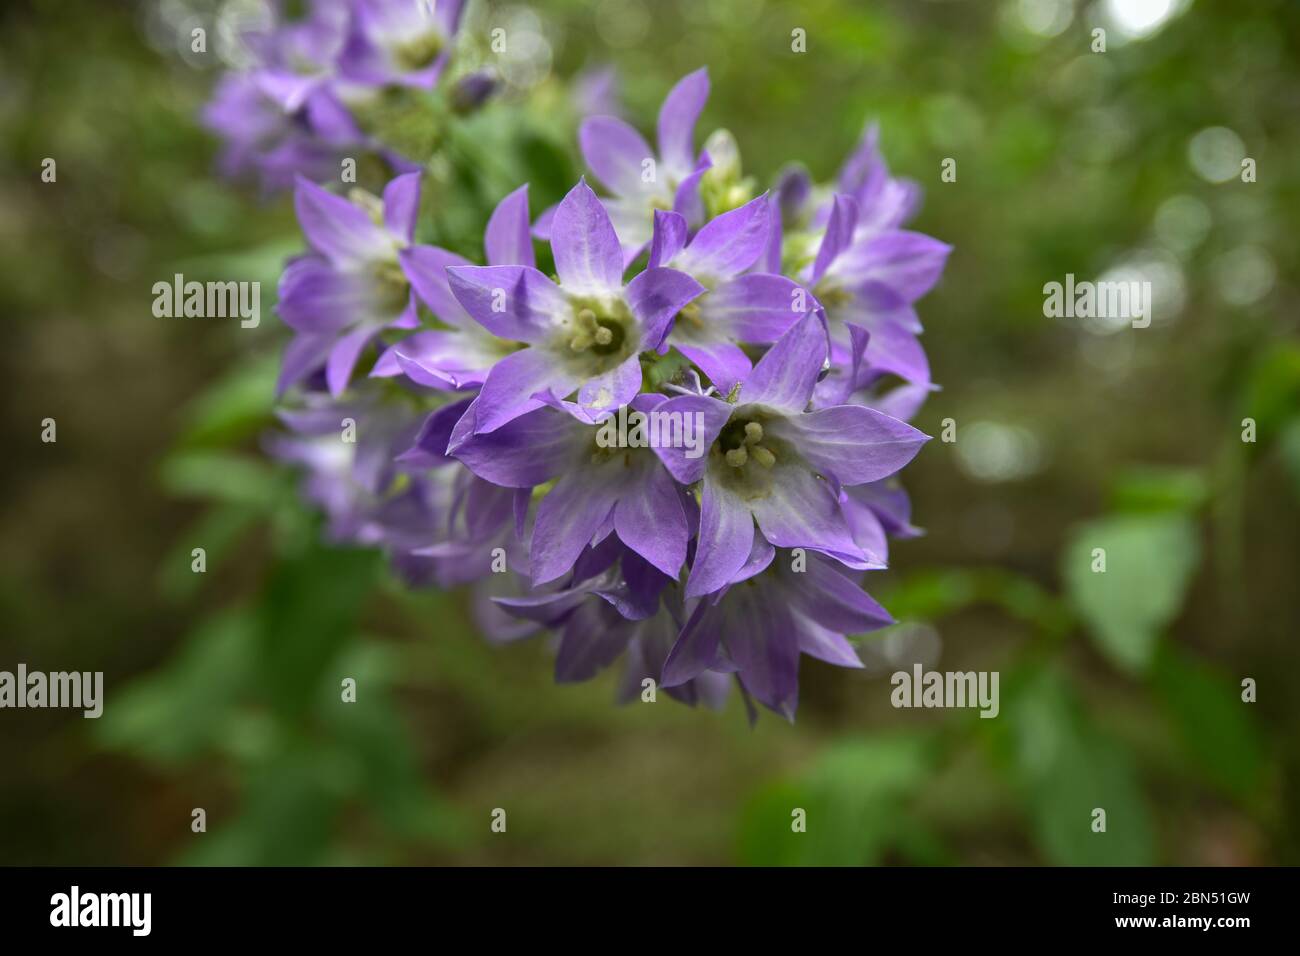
[292, 110]
[762, 348]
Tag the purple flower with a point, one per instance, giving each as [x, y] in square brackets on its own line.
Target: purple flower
[585, 334]
[460, 357]
[283, 116]
[774, 464]
[617, 606]
[755, 308]
[598, 489]
[399, 42]
[552, 441]
[779, 608]
[351, 285]
[871, 279]
[640, 180]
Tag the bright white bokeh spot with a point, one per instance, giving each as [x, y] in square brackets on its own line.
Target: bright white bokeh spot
[1045, 18]
[1139, 18]
[993, 452]
[1182, 223]
[1216, 154]
[1244, 275]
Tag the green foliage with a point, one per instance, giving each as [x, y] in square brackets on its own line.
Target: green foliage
[855, 798]
[1149, 563]
[1214, 725]
[1065, 769]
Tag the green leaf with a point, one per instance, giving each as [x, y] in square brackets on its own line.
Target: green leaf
[307, 614]
[175, 713]
[1272, 393]
[1066, 770]
[1149, 561]
[1214, 724]
[235, 406]
[221, 476]
[853, 797]
[1159, 490]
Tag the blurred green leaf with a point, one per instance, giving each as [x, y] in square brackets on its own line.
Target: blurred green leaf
[216, 531]
[286, 815]
[235, 406]
[1214, 724]
[371, 732]
[1149, 562]
[1272, 393]
[1066, 770]
[222, 476]
[174, 713]
[1150, 490]
[853, 796]
[308, 612]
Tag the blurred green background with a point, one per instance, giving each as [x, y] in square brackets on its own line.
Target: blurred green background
[1120, 691]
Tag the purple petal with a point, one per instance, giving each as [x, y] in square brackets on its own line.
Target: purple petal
[907, 263]
[677, 118]
[853, 443]
[760, 639]
[892, 349]
[343, 358]
[695, 651]
[756, 308]
[616, 387]
[426, 269]
[725, 541]
[528, 451]
[314, 296]
[801, 511]
[696, 409]
[337, 229]
[588, 258]
[730, 243]
[567, 519]
[669, 238]
[902, 402]
[542, 227]
[429, 449]
[507, 240]
[513, 302]
[834, 600]
[824, 644]
[511, 384]
[687, 201]
[839, 234]
[402, 205]
[594, 637]
[784, 378]
[437, 359]
[725, 363]
[649, 519]
[304, 354]
[614, 152]
[655, 297]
